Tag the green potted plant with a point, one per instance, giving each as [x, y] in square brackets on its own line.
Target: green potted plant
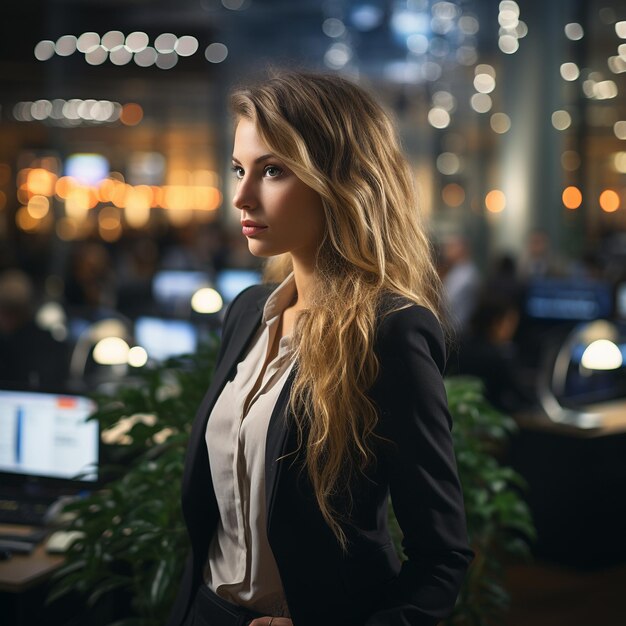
[134, 544]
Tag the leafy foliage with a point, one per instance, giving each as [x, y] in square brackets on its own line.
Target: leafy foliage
[134, 541]
[499, 521]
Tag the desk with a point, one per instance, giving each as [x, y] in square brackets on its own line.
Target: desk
[612, 421]
[23, 571]
[577, 485]
[23, 586]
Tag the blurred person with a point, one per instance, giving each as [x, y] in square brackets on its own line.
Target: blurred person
[29, 355]
[328, 390]
[89, 284]
[502, 277]
[538, 260]
[135, 268]
[488, 351]
[461, 281]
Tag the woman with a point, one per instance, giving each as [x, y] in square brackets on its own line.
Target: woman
[328, 395]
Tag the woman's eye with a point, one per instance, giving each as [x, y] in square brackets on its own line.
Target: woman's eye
[238, 171]
[272, 171]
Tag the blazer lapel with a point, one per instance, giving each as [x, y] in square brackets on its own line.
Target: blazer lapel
[275, 443]
[196, 464]
[247, 323]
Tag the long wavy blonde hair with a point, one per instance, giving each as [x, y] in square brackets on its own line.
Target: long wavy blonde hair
[340, 142]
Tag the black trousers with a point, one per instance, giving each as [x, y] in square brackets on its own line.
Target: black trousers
[208, 609]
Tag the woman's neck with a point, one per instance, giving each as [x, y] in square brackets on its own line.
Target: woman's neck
[304, 276]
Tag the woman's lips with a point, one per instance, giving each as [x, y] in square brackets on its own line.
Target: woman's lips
[252, 230]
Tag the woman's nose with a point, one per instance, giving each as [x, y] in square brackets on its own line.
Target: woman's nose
[244, 197]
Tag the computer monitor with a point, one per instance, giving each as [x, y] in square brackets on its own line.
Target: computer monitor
[173, 289]
[162, 338]
[230, 282]
[568, 299]
[47, 435]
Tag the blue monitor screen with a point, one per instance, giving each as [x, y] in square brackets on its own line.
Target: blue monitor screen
[568, 299]
[176, 287]
[164, 338]
[47, 435]
[231, 282]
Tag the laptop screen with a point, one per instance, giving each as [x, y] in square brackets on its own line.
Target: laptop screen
[47, 435]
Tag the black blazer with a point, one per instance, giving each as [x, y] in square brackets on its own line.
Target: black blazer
[368, 586]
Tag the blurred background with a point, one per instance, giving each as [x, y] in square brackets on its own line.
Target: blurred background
[119, 245]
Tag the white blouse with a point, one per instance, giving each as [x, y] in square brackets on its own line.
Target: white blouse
[240, 566]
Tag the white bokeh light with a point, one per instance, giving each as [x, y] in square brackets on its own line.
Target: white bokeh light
[561, 120]
[44, 50]
[216, 52]
[438, 117]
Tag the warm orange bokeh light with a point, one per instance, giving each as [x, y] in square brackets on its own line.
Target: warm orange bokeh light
[38, 207]
[609, 201]
[25, 220]
[41, 182]
[138, 203]
[109, 218]
[118, 196]
[105, 190]
[176, 197]
[79, 200]
[495, 201]
[157, 196]
[453, 194]
[572, 198]
[64, 185]
[131, 114]
[206, 198]
[23, 195]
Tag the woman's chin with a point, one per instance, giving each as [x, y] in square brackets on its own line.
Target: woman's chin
[262, 251]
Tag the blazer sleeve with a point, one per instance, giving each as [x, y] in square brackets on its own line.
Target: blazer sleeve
[424, 485]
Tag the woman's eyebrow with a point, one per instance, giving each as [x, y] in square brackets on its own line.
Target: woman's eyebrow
[257, 160]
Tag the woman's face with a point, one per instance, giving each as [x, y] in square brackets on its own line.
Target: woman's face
[269, 194]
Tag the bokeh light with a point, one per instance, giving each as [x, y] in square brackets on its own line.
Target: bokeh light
[65, 45]
[500, 123]
[44, 50]
[561, 120]
[438, 117]
[619, 128]
[572, 197]
[137, 41]
[206, 300]
[453, 194]
[137, 356]
[619, 162]
[609, 201]
[38, 206]
[481, 102]
[132, 114]
[216, 52]
[448, 163]
[569, 71]
[495, 201]
[574, 31]
[484, 83]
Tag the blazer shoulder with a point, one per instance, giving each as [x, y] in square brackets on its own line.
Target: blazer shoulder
[251, 297]
[254, 293]
[402, 324]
